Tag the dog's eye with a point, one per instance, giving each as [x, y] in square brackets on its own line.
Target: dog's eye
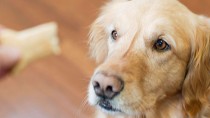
[114, 34]
[161, 45]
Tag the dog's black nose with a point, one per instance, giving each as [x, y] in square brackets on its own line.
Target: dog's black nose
[106, 86]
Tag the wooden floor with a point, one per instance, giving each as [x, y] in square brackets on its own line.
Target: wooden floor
[56, 87]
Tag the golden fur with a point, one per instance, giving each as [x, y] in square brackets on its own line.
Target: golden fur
[168, 84]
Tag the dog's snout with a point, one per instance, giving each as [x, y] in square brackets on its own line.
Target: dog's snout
[107, 86]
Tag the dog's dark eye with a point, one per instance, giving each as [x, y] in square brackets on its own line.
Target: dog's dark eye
[114, 34]
[161, 45]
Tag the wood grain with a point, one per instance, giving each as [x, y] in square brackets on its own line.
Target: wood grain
[56, 87]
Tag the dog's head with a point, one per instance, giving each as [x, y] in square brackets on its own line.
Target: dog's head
[149, 50]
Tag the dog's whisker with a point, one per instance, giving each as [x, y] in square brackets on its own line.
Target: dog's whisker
[86, 79]
[83, 107]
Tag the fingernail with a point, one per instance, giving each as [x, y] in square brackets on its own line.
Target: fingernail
[9, 55]
[12, 52]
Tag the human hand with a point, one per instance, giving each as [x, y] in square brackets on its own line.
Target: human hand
[8, 58]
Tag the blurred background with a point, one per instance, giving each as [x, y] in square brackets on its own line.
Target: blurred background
[56, 87]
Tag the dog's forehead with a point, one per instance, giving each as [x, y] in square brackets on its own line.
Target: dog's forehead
[139, 14]
[136, 9]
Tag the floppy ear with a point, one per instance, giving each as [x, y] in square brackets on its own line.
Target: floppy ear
[98, 41]
[197, 82]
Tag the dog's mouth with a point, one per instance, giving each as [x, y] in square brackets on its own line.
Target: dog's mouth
[106, 105]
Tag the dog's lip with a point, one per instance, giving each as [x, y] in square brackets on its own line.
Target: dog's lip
[106, 105]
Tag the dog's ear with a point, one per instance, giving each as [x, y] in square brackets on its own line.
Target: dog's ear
[98, 43]
[197, 82]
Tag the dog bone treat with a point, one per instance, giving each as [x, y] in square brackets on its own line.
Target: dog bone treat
[33, 43]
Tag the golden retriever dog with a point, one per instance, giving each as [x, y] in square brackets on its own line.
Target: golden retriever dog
[153, 61]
